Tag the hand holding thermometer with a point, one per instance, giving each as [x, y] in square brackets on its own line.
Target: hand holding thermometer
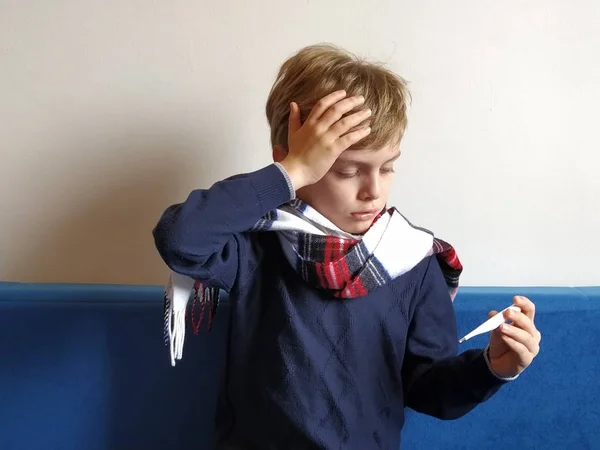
[490, 324]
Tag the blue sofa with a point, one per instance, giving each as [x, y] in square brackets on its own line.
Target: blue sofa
[83, 367]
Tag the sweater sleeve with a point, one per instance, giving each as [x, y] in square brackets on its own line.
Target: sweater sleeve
[436, 380]
[203, 236]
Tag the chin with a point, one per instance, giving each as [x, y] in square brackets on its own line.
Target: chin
[356, 228]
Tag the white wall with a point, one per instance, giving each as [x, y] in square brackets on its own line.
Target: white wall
[110, 111]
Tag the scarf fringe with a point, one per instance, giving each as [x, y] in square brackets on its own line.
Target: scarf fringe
[176, 317]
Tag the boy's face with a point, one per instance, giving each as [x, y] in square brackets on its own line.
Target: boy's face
[355, 190]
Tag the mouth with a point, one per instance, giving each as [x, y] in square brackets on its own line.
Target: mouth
[365, 215]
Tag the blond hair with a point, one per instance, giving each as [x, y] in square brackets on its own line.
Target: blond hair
[319, 70]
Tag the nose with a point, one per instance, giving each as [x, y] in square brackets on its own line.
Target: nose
[370, 188]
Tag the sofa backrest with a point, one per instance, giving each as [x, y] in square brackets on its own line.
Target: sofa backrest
[85, 367]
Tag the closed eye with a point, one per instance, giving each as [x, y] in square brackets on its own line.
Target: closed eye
[347, 174]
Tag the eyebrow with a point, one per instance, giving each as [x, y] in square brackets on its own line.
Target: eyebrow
[363, 163]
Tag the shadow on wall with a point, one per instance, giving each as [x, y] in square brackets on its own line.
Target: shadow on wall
[102, 201]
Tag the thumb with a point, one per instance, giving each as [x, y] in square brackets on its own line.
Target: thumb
[497, 330]
[495, 335]
[294, 122]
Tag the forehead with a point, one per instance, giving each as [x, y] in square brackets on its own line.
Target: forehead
[371, 157]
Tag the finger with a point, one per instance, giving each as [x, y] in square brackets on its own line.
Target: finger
[324, 104]
[492, 314]
[348, 140]
[522, 352]
[521, 336]
[294, 122]
[347, 123]
[526, 305]
[335, 112]
[520, 320]
[363, 124]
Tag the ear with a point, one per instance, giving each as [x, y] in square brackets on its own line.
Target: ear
[279, 153]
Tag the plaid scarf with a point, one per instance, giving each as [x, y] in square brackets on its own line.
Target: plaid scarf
[326, 257]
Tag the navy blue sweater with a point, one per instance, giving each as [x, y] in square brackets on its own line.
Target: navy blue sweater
[304, 370]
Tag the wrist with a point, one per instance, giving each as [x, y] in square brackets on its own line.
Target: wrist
[494, 370]
[295, 174]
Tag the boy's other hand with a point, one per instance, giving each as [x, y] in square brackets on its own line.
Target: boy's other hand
[314, 146]
[514, 346]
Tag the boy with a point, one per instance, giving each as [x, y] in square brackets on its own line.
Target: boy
[342, 311]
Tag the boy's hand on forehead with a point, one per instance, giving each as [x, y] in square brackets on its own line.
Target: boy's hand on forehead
[314, 146]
